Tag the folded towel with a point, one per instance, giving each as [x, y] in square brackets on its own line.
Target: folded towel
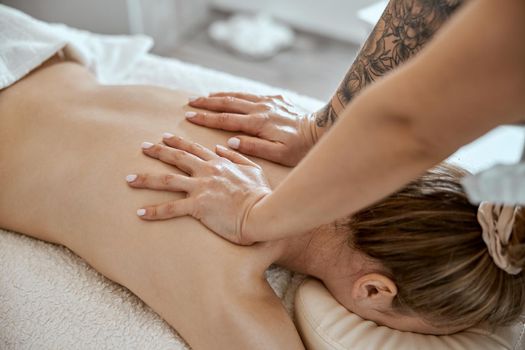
[25, 43]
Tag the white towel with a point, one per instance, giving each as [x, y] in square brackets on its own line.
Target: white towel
[25, 43]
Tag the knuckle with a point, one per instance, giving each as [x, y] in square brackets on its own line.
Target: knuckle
[215, 168]
[194, 147]
[198, 210]
[170, 208]
[262, 118]
[225, 101]
[223, 118]
[208, 118]
[167, 179]
[205, 183]
[265, 106]
[248, 147]
[176, 155]
[153, 212]
[216, 181]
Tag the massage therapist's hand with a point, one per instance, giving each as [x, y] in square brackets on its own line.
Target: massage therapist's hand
[221, 187]
[274, 129]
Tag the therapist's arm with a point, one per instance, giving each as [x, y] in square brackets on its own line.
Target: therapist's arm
[404, 28]
[470, 79]
[274, 129]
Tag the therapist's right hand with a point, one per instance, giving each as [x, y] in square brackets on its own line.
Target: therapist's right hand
[272, 128]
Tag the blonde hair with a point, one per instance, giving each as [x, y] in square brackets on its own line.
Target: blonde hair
[428, 239]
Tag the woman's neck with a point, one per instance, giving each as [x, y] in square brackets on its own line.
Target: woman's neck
[313, 253]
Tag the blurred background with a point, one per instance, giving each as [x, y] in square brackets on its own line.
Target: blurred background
[302, 45]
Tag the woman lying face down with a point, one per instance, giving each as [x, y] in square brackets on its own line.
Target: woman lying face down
[415, 261]
[427, 268]
[66, 144]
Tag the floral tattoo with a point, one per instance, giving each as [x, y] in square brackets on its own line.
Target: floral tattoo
[404, 28]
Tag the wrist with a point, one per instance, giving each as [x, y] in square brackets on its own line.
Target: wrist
[250, 227]
[310, 130]
[317, 129]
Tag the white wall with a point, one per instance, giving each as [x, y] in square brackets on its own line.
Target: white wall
[167, 21]
[101, 16]
[333, 18]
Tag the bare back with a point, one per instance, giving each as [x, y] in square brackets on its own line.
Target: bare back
[66, 144]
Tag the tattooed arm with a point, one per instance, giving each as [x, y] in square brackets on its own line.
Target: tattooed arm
[273, 129]
[403, 29]
[469, 79]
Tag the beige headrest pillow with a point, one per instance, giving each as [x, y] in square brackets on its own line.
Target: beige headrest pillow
[324, 324]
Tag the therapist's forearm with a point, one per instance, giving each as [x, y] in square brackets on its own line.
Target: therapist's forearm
[361, 159]
[457, 89]
[404, 28]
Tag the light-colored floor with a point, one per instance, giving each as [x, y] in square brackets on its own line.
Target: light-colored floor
[314, 66]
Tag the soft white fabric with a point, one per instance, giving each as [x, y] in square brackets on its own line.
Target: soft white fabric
[502, 183]
[326, 325]
[51, 299]
[25, 43]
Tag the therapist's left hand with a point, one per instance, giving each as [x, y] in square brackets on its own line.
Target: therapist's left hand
[271, 127]
[221, 188]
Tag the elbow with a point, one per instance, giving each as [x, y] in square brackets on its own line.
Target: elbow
[429, 147]
[421, 142]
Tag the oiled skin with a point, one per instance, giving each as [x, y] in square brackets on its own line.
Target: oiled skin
[66, 144]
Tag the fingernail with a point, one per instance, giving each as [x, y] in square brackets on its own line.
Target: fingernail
[141, 212]
[146, 145]
[193, 98]
[167, 135]
[234, 142]
[190, 114]
[222, 148]
[131, 177]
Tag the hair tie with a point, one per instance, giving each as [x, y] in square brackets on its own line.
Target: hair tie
[497, 221]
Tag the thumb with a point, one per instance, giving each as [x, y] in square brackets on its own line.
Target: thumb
[257, 147]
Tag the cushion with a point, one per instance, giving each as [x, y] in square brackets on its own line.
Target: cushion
[324, 324]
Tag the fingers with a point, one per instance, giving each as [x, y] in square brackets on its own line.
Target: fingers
[250, 124]
[241, 95]
[234, 156]
[257, 147]
[165, 182]
[183, 160]
[191, 147]
[168, 210]
[226, 104]
[251, 97]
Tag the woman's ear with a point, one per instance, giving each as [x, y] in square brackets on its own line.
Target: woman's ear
[375, 291]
